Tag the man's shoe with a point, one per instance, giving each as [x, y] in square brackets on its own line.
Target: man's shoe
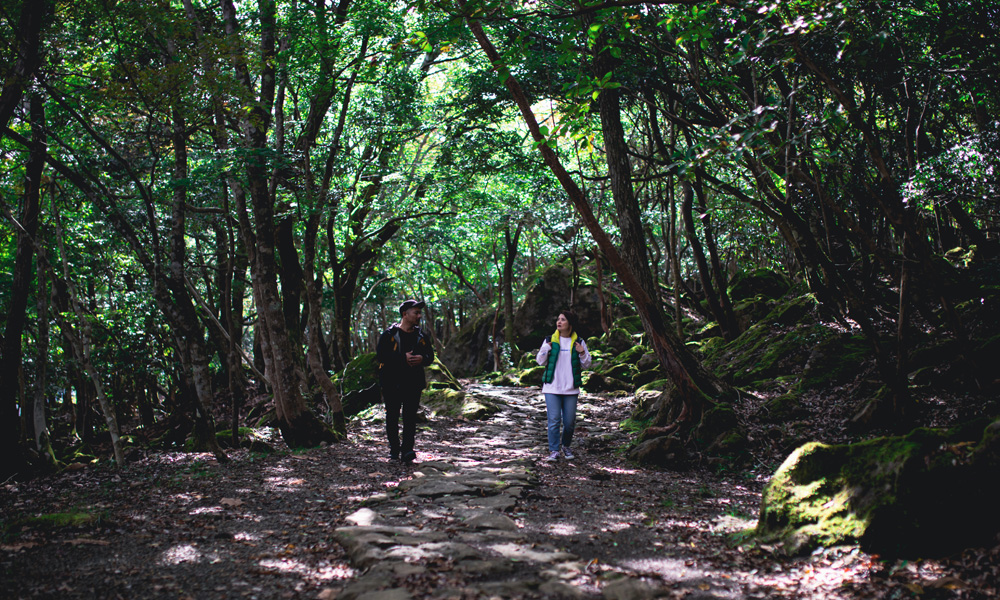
[394, 455]
[409, 457]
[568, 453]
[552, 457]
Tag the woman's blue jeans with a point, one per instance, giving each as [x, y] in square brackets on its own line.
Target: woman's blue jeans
[561, 409]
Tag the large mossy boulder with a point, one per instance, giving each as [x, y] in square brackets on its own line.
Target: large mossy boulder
[440, 377]
[470, 352]
[617, 341]
[834, 360]
[761, 282]
[928, 493]
[359, 384]
[535, 317]
[763, 352]
[596, 382]
[453, 403]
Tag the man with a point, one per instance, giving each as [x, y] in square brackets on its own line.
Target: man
[403, 351]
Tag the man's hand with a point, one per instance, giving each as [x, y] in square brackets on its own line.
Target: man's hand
[414, 360]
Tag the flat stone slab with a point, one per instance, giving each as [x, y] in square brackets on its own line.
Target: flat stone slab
[438, 465]
[437, 487]
[491, 520]
[499, 502]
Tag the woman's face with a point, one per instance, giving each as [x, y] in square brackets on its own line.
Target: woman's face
[563, 326]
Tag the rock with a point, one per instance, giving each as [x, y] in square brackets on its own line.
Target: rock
[362, 517]
[393, 594]
[446, 402]
[928, 493]
[617, 341]
[559, 589]
[532, 376]
[627, 588]
[435, 488]
[761, 282]
[359, 384]
[488, 519]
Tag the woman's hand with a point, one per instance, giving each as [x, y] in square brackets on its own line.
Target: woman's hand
[578, 347]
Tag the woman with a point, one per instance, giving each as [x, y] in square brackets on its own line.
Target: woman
[564, 355]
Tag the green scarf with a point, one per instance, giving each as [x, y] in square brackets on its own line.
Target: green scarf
[550, 365]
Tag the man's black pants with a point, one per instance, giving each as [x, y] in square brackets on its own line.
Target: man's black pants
[409, 401]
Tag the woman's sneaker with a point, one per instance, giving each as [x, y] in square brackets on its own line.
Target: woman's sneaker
[552, 457]
[568, 453]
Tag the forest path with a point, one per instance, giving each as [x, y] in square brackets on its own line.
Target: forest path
[481, 516]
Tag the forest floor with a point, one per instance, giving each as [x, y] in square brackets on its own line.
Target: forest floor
[480, 516]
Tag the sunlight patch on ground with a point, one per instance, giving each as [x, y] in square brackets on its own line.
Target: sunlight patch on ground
[185, 497]
[279, 483]
[731, 524]
[205, 510]
[180, 554]
[671, 569]
[321, 573]
[247, 536]
[617, 471]
[563, 529]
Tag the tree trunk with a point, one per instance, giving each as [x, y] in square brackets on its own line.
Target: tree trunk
[174, 299]
[21, 284]
[718, 274]
[510, 244]
[282, 359]
[42, 441]
[33, 15]
[704, 274]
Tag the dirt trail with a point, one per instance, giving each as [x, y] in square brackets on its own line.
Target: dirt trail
[481, 516]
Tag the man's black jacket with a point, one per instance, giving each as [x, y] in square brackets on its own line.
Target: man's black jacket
[393, 344]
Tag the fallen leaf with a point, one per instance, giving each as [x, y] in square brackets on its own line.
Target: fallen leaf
[80, 541]
[231, 502]
[328, 594]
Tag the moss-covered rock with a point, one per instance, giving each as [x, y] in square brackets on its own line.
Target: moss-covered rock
[532, 376]
[644, 377]
[596, 382]
[632, 355]
[452, 403]
[360, 373]
[617, 341]
[761, 282]
[621, 372]
[440, 377]
[249, 438]
[834, 359]
[719, 427]
[631, 324]
[928, 493]
[797, 310]
[647, 361]
[504, 379]
[762, 353]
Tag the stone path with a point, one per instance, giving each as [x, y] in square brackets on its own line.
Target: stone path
[455, 513]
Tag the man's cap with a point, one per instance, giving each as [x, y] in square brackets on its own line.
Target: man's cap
[405, 306]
